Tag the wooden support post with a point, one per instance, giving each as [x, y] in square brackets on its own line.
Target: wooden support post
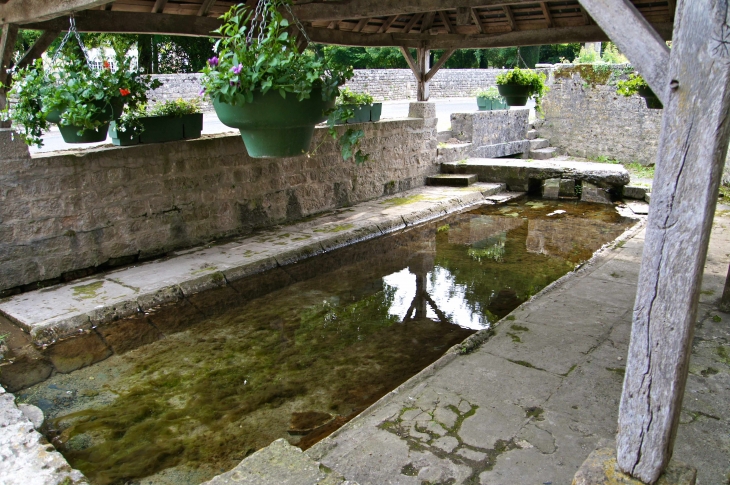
[8, 36]
[420, 69]
[205, 7]
[692, 149]
[725, 300]
[636, 38]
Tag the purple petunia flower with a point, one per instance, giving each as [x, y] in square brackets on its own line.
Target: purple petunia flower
[202, 92]
[213, 61]
[237, 69]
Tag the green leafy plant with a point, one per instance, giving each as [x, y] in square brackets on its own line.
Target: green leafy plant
[349, 97]
[527, 77]
[266, 61]
[612, 55]
[491, 94]
[177, 108]
[631, 86]
[587, 56]
[78, 94]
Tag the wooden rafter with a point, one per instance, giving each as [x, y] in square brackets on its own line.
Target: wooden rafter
[447, 23]
[546, 13]
[478, 21]
[463, 15]
[387, 23]
[411, 23]
[428, 19]
[360, 25]
[205, 7]
[39, 47]
[159, 6]
[510, 17]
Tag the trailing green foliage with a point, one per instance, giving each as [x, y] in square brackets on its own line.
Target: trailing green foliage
[349, 97]
[527, 77]
[631, 86]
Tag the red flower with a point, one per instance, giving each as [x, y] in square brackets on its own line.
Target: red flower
[124, 92]
[107, 66]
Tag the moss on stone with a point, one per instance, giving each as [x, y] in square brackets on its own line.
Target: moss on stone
[86, 292]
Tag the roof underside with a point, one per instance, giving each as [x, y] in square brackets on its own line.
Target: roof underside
[409, 23]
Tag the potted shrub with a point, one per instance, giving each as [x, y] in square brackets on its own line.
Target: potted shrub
[81, 100]
[351, 107]
[635, 84]
[517, 85]
[165, 121]
[490, 99]
[263, 86]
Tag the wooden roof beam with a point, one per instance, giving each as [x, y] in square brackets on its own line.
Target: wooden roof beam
[510, 17]
[635, 38]
[205, 7]
[159, 6]
[557, 35]
[387, 23]
[428, 19]
[39, 47]
[356, 9]
[447, 23]
[414, 20]
[478, 21]
[360, 25]
[546, 13]
[25, 11]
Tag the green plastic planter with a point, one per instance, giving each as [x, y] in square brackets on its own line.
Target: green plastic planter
[110, 110]
[362, 114]
[160, 129]
[497, 104]
[484, 104]
[272, 126]
[652, 102]
[514, 94]
[376, 111]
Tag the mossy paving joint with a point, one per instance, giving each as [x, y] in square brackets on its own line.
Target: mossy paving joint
[401, 428]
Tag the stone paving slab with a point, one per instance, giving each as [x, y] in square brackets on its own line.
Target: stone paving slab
[62, 311]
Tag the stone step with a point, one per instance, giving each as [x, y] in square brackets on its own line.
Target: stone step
[452, 180]
[519, 174]
[634, 192]
[532, 134]
[538, 143]
[543, 153]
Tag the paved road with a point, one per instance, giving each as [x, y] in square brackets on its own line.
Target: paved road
[52, 140]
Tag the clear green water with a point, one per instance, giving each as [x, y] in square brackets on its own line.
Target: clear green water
[300, 350]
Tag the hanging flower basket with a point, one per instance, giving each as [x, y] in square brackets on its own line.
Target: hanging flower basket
[516, 87]
[261, 84]
[272, 126]
[635, 84]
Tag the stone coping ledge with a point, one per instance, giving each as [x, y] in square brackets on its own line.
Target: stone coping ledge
[518, 172]
[63, 311]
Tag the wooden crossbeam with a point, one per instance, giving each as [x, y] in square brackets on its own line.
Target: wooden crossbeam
[692, 149]
[205, 7]
[410, 61]
[636, 39]
[387, 23]
[510, 17]
[546, 13]
[38, 48]
[355, 9]
[447, 23]
[557, 35]
[159, 6]
[478, 21]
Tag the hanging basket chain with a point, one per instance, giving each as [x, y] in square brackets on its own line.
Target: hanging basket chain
[297, 23]
[260, 20]
[71, 31]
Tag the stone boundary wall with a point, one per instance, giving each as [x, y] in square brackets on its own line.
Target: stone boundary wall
[585, 117]
[66, 215]
[382, 84]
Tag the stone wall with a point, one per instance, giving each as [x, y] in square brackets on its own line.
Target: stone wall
[585, 117]
[497, 133]
[382, 84]
[66, 215]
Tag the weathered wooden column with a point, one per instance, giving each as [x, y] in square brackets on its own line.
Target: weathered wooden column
[692, 148]
[8, 36]
[725, 300]
[421, 70]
